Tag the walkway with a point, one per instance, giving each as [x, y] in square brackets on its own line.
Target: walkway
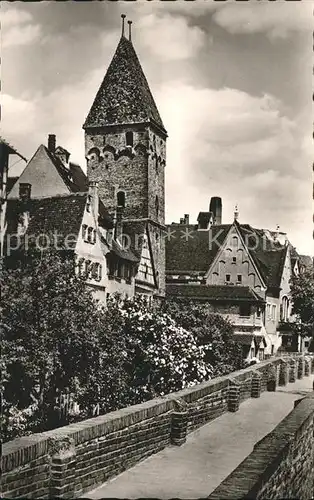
[210, 454]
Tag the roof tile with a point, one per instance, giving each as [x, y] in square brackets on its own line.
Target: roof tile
[124, 95]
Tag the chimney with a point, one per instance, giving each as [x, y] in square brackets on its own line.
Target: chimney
[93, 198]
[25, 191]
[215, 208]
[52, 143]
[186, 219]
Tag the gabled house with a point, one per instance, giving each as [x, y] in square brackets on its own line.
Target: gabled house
[50, 173]
[245, 268]
[77, 222]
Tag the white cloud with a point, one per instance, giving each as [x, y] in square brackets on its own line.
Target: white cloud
[241, 147]
[21, 35]
[276, 19]
[17, 28]
[169, 38]
[17, 115]
[12, 17]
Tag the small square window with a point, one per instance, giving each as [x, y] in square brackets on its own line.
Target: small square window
[90, 235]
[88, 203]
[84, 231]
[234, 260]
[228, 277]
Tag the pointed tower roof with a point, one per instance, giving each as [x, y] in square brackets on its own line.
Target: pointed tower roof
[124, 95]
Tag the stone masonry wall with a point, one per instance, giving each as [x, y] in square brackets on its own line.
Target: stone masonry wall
[66, 462]
[281, 464]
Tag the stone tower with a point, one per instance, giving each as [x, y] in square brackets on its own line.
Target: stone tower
[125, 148]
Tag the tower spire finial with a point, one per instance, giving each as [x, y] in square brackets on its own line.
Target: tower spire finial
[123, 16]
[130, 35]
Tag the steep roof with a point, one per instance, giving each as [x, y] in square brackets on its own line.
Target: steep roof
[135, 232]
[60, 215]
[268, 256]
[188, 249]
[124, 95]
[74, 177]
[122, 253]
[213, 292]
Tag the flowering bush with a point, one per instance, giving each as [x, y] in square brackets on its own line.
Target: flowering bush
[160, 356]
[211, 331]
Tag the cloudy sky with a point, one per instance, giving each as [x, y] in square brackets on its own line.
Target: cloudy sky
[232, 83]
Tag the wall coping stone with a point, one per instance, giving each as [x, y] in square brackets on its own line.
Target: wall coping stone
[21, 450]
[248, 478]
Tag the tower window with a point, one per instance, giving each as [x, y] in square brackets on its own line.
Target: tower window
[228, 277]
[234, 260]
[239, 278]
[157, 206]
[121, 199]
[129, 138]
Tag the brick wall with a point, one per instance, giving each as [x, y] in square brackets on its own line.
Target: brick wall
[281, 464]
[71, 460]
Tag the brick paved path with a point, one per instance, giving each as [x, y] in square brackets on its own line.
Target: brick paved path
[210, 454]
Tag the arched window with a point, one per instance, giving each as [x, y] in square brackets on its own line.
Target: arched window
[121, 199]
[157, 206]
[129, 138]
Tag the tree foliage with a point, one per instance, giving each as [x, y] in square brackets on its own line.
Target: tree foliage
[65, 358]
[52, 333]
[302, 291]
[210, 330]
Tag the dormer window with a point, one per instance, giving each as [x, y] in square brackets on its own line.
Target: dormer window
[129, 138]
[121, 199]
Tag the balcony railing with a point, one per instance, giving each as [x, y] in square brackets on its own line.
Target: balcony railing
[246, 321]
